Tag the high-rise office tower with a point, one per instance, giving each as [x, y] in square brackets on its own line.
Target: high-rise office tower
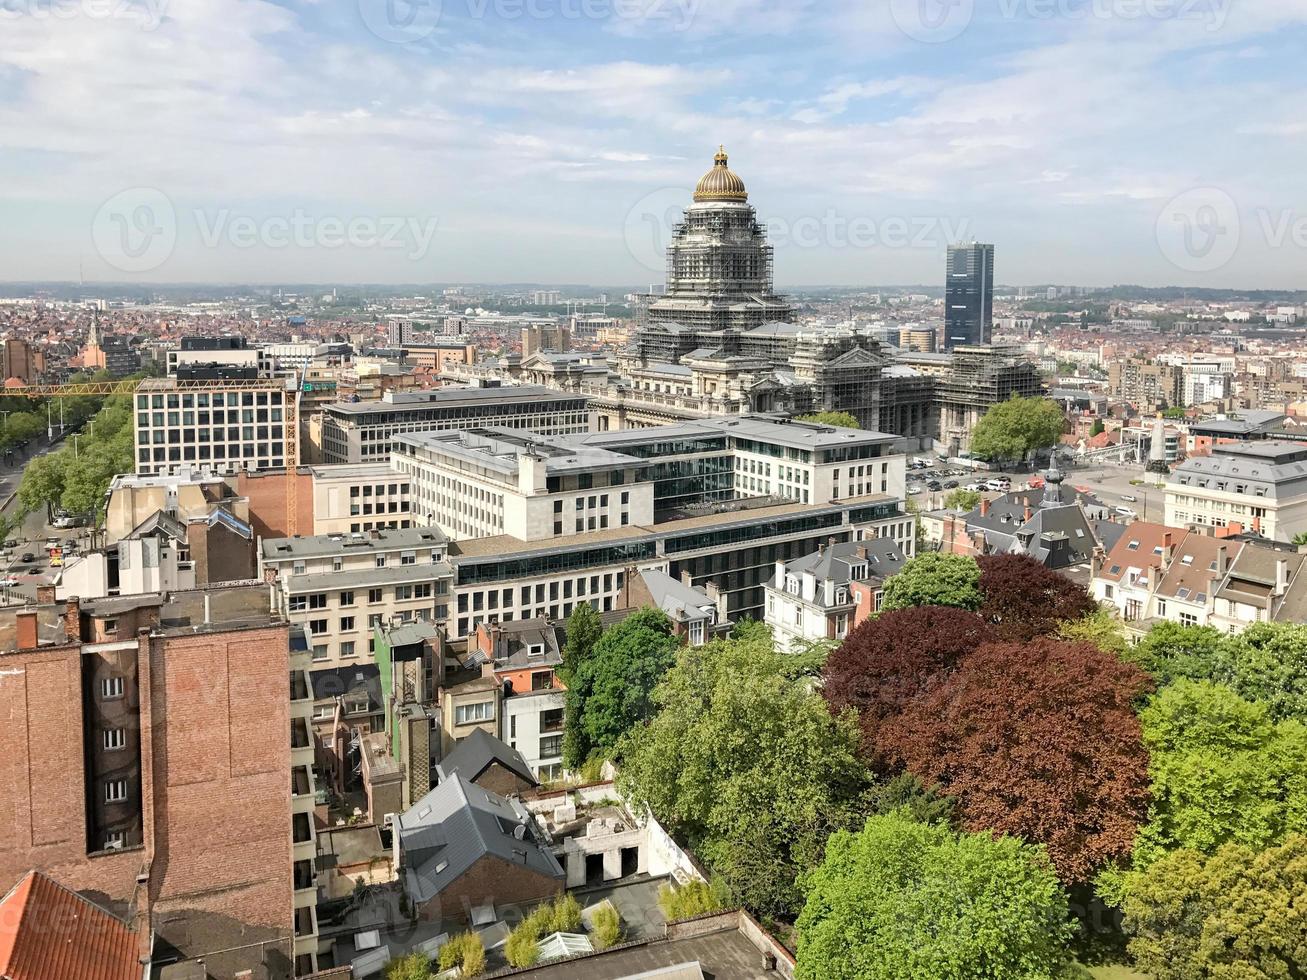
[969, 295]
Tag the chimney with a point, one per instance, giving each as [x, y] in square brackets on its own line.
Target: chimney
[26, 639]
[73, 619]
[1154, 576]
[1257, 525]
[45, 594]
[1168, 550]
[984, 507]
[1028, 514]
[1096, 562]
[1281, 576]
[1222, 560]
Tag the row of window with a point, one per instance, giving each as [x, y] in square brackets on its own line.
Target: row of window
[206, 399]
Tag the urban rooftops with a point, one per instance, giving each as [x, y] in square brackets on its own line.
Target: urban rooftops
[377, 541]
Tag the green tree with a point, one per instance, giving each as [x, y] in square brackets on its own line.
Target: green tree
[902, 900]
[751, 630]
[748, 765]
[935, 579]
[1266, 663]
[42, 484]
[611, 690]
[1234, 914]
[413, 966]
[1222, 771]
[1014, 429]
[1097, 429]
[962, 499]
[583, 629]
[842, 420]
[1101, 628]
[1174, 412]
[1300, 539]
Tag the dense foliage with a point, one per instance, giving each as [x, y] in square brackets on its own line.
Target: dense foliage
[1023, 598]
[609, 691]
[842, 420]
[747, 764]
[962, 499]
[1014, 429]
[902, 900]
[1038, 740]
[1223, 771]
[935, 579]
[1236, 913]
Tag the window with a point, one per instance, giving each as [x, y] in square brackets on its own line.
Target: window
[471, 714]
[347, 624]
[374, 596]
[320, 651]
[110, 688]
[347, 648]
[115, 840]
[542, 680]
[551, 746]
[318, 627]
[115, 791]
[115, 738]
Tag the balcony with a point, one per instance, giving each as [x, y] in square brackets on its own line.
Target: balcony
[306, 922]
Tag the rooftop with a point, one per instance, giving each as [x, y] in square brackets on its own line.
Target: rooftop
[48, 932]
[450, 397]
[371, 542]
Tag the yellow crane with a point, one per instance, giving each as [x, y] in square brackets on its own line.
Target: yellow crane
[129, 386]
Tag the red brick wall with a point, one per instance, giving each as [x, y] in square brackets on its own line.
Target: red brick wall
[490, 880]
[42, 801]
[267, 496]
[223, 799]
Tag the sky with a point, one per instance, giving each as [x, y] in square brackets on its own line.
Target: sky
[1154, 142]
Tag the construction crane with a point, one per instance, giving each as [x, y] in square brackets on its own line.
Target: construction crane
[163, 386]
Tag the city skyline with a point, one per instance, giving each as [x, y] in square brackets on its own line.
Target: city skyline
[340, 144]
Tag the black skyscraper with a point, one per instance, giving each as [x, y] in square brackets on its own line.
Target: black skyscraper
[969, 295]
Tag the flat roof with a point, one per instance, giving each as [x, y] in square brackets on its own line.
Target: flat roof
[320, 545]
[417, 401]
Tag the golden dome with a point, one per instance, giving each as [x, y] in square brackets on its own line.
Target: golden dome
[720, 183]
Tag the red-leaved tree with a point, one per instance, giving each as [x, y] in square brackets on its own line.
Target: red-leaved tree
[1024, 599]
[1038, 740]
[888, 661]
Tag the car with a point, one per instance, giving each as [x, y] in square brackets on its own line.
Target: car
[1129, 496]
[1126, 512]
[11, 544]
[934, 486]
[63, 522]
[8, 581]
[951, 485]
[914, 489]
[27, 558]
[999, 486]
[974, 487]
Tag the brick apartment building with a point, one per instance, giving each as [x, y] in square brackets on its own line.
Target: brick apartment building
[149, 766]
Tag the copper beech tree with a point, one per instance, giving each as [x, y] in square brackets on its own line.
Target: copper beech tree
[1024, 599]
[1037, 740]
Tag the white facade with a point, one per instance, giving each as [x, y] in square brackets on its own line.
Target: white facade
[802, 609]
[1260, 485]
[350, 498]
[532, 723]
[224, 429]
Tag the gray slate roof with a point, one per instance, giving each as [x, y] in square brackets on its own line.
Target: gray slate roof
[474, 754]
[456, 825]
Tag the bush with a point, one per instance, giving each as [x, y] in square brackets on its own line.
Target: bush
[696, 898]
[606, 927]
[414, 966]
[466, 952]
[560, 915]
[521, 950]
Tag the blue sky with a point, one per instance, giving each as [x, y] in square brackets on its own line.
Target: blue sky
[1094, 141]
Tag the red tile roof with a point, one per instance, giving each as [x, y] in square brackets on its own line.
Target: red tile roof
[48, 932]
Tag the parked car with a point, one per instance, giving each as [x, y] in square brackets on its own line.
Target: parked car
[951, 485]
[974, 487]
[998, 486]
[11, 543]
[934, 486]
[1129, 496]
[1126, 512]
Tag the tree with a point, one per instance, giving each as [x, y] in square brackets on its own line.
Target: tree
[902, 900]
[1266, 663]
[749, 766]
[1223, 771]
[583, 629]
[42, 484]
[1097, 429]
[842, 420]
[1038, 740]
[962, 499]
[611, 690]
[1300, 539]
[886, 662]
[1235, 913]
[1100, 628]
[1024, 598]
[1014, 429]
[935, 579]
